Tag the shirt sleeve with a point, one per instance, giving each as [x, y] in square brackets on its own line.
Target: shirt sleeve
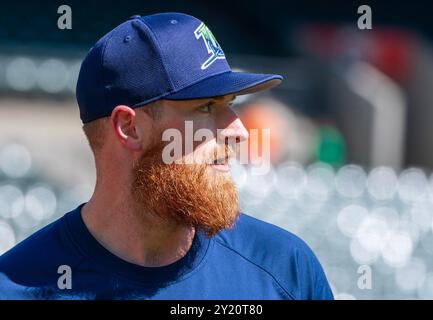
[313, 284]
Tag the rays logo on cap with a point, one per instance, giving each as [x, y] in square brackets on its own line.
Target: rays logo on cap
[212, 45]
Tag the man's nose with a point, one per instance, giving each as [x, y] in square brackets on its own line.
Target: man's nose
[234, 131]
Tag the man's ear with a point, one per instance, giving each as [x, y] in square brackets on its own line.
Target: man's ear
[124, 124]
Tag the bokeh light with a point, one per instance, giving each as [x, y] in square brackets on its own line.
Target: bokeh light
[411, 276]
[382, 183]
[350, 181]
[40, 202]
[350, 219]
[53, 75]
[15, 160]
[11, 201]
[397, 249]
[292, 180]
[412, 185]
[21, 74]
[7, 237]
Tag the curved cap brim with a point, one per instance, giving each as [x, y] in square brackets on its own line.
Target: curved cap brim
[237, 83]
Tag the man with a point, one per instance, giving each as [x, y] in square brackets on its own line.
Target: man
[155, 228]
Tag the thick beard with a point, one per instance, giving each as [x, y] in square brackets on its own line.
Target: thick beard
[191, 194]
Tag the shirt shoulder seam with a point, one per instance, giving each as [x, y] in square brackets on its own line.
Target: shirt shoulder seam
[258, 266]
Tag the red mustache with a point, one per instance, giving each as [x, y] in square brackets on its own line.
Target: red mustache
[221, 155]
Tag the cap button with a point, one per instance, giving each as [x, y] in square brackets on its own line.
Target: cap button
[135, 16]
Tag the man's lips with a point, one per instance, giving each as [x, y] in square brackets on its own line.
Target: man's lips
[221, 164]
[224, 160]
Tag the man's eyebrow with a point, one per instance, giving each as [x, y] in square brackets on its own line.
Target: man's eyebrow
[215, 100]
[232, 98]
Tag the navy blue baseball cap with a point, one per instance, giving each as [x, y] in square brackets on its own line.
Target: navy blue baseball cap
[170, 56]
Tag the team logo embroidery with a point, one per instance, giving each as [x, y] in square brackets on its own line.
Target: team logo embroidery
[213, 47]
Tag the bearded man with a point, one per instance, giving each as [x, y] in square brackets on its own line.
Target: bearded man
[153, 228]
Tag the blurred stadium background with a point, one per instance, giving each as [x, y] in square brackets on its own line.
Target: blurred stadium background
[351, 133]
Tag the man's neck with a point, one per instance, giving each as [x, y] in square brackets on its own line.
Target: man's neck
[133, 235]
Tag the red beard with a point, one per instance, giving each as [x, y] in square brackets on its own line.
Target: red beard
[190, 194]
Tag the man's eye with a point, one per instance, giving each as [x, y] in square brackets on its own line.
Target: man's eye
[207, 108]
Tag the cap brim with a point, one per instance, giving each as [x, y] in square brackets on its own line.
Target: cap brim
[237, 83]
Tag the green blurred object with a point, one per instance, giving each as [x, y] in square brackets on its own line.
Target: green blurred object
[331, 146]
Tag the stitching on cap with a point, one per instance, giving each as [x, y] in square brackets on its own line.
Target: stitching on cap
[204, 77]
[102, 65]
[155, 40]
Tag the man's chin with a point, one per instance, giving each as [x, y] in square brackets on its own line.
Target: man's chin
[203, 196]
[214, 229]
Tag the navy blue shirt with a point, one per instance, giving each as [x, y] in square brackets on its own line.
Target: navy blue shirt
[253, 260]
